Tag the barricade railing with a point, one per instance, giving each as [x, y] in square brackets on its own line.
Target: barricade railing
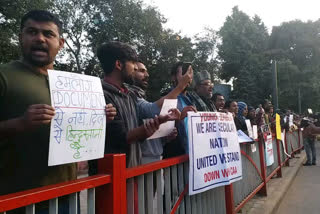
[256, 174]
[160, 187]
[30, 198]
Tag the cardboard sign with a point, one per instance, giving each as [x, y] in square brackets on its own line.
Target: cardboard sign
[78, 128]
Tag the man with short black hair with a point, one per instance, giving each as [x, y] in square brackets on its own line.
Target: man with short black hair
[218, 100]
[26, 111]
[118, 61]
[152, 149]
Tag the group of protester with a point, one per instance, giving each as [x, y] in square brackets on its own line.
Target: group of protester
[26, 111]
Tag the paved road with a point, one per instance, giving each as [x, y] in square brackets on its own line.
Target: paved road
[303, 196]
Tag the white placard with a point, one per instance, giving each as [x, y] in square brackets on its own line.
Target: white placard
[166, 128]
[255, 132]
[253, 147]
[243, 138]
[290, 120]
[269, 151]
[214, 151]
[249, 128]
[78, 128]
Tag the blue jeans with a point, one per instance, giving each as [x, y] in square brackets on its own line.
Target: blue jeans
[310, 150]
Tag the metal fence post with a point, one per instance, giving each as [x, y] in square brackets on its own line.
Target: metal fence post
[112, 198]
[299, 141]
[279, 173]
[230, 208]
[263, 190]
[286, 145]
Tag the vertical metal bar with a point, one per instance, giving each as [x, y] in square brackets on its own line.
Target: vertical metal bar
[279, 173]
[167, 192]
[73, 203]
[208, 202]
[229, 199]
[194, 204]
[150, 192]
[30, 209]
[141, 197]
[186, 180]
[53, 206]
[199, 203]
[130, 196]
[203, 202]
[181, 187]
[174, 181]
[212, 199]
[159, 192]
[111, 198]
[263, 190]
[91, 201]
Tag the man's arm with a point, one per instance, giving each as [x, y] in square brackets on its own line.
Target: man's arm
[183, 83]
[36, 115]
[151, 126]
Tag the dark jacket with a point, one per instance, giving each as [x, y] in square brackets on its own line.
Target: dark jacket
[117, 129]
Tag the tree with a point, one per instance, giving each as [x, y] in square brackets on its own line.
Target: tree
[296, 45]
[243, 56]
[11, 13]
[73, 14]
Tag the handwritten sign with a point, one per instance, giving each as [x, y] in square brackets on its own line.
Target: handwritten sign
[214, 151]
[78, 128]
[166, 128]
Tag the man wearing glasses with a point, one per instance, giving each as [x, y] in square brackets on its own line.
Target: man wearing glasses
[203, 92]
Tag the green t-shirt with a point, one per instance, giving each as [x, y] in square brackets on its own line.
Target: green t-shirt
[24, 157]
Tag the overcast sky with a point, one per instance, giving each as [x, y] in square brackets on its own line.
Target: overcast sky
[191, 16]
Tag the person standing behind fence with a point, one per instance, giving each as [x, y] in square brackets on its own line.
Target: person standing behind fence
[219, 102]
[180, 145]
[152, 149]
[241, 116]
[203, 92]
[118, 61]
[26, 111]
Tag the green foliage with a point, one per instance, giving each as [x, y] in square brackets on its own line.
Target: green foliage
[242, 52]
[296, 45]
[11, 13]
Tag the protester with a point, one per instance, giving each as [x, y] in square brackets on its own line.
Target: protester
[309, 143]
[118, 61]
[152, 150]
[218, 100]
[180, 144]
[232, 107]
[26, 111]
[203, 92]
[252, 115]
[241, 116]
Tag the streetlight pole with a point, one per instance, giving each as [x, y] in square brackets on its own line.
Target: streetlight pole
[275, 84]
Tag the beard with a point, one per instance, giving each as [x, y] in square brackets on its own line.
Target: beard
[127, 78]
[38, 61]
[141, 83]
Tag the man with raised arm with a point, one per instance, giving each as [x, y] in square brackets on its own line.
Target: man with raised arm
[118, 61]
[152, 150]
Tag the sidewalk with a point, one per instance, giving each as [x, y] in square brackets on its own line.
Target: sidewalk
[303, 195]
[277, 188]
